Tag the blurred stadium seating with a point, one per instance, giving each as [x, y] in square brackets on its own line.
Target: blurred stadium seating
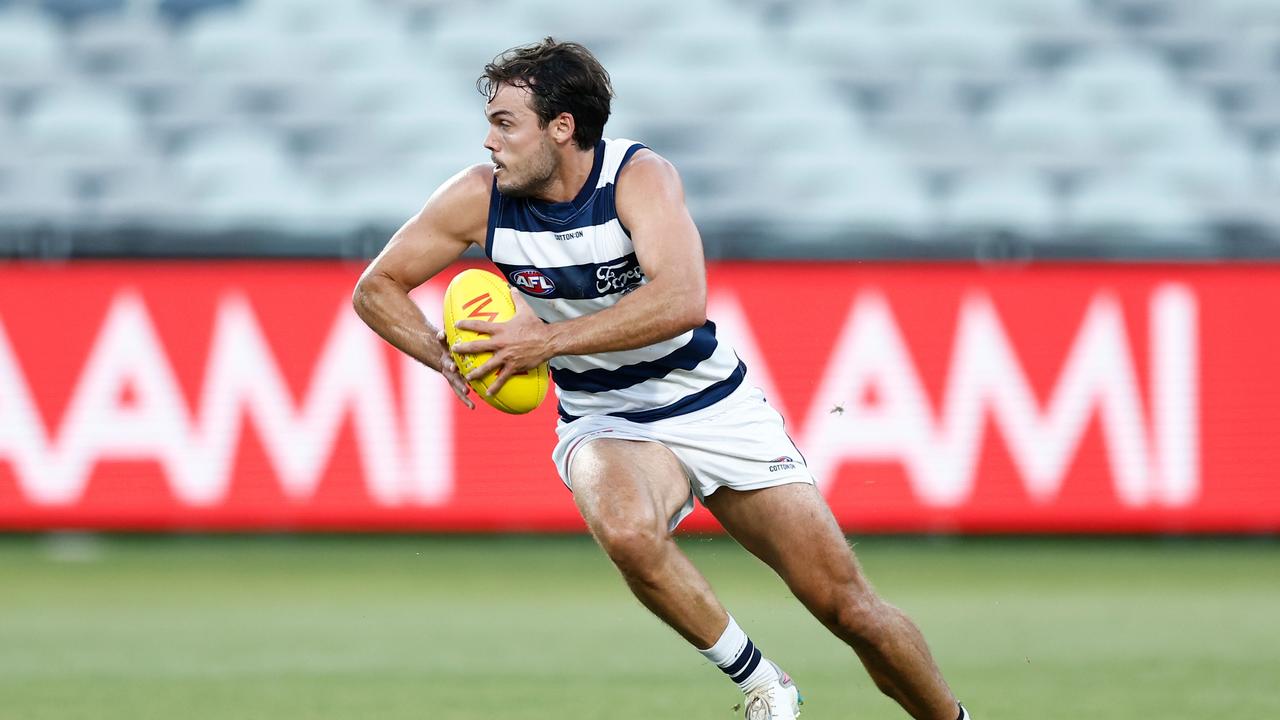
[815, 128]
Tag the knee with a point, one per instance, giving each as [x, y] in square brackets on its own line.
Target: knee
[854, 613]
[634, 548]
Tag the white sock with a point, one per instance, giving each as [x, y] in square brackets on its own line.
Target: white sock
[738, 657]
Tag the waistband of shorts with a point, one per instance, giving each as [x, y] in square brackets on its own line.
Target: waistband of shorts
[736, 395]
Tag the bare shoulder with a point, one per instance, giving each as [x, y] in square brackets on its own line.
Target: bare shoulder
[648, 170]
[460, 205]
[453, 218]
[649, 198]
[476, 179]
[646, 181]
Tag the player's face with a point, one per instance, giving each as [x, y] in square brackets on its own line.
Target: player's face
[523, 153]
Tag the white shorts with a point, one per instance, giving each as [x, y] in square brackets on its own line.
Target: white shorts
[739, 443]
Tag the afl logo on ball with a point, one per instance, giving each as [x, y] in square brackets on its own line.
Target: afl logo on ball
[533, 282]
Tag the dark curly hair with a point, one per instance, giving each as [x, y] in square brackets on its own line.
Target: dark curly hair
[563, 77]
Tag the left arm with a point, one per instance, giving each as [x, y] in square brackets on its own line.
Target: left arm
[650, 202]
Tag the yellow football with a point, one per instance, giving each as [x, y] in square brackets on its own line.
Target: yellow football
[479, 295]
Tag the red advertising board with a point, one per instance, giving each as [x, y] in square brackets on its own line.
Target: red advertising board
[247, 395]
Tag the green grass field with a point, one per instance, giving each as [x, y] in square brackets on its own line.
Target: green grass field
[531, 628]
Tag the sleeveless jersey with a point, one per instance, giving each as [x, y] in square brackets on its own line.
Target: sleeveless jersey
[575, 258]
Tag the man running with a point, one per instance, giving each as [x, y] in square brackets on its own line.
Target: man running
[655, 410]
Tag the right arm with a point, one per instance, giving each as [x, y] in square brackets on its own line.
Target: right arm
[454, 217]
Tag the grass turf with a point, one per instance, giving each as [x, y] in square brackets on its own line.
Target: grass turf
[462, 628]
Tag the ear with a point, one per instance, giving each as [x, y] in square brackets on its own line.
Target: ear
[562, 127]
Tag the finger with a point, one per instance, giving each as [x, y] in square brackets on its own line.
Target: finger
[473, 347]
[479, 326]
[517, 298]
[462, 395]
[440, 334]
[450, 371]
[456, 383]
[484, 370]
[503, 376]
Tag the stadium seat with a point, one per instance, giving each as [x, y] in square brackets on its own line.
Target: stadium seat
[1138, 110]
[951, 42]
[708, 34]
[14, 152]
[182, 11]
[389, 195]
[365, 92]
[868, 188]
[895, 204]
[1136, 205]
[227, 158]
[141, 195]
[280, 201]
[831, 38]
[1032, 14]
[1015, 200]
[888, 42]
[1271, 168]
[596, 25]
[465, 38]
[306, 16]
[367, 48]
[1108, 81]
[41, 194]
[30, 49]
[1244, 13]
[1043, 122]
[1209, 168]
[783, 133]
[907, 12]
[995, 93]
[417, 131]
[229, 179]
[229, 41]
[73, 11]
[330, 36]
[120, 46]
[85, 124]
[1147, 131]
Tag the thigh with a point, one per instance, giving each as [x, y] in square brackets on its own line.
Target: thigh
[744, 446]
[792, 530]
[634, 483]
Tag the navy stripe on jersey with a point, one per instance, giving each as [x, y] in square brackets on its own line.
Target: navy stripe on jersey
[703, 398]
[626, 158]
[533, 215]
[593, 206]
[496, 201]
[524, 217]
[687, 357]
[560, 212]
[576, 282]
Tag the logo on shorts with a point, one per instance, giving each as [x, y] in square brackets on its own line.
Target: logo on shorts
[533, 282]
[782, 462]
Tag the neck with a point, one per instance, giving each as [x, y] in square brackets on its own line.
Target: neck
[575, 168]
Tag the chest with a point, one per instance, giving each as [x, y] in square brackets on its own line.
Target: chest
[553, 248]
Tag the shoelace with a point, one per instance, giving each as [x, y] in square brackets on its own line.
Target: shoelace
[766, 699]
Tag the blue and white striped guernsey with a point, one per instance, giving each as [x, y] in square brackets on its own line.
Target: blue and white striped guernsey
[575, 258]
